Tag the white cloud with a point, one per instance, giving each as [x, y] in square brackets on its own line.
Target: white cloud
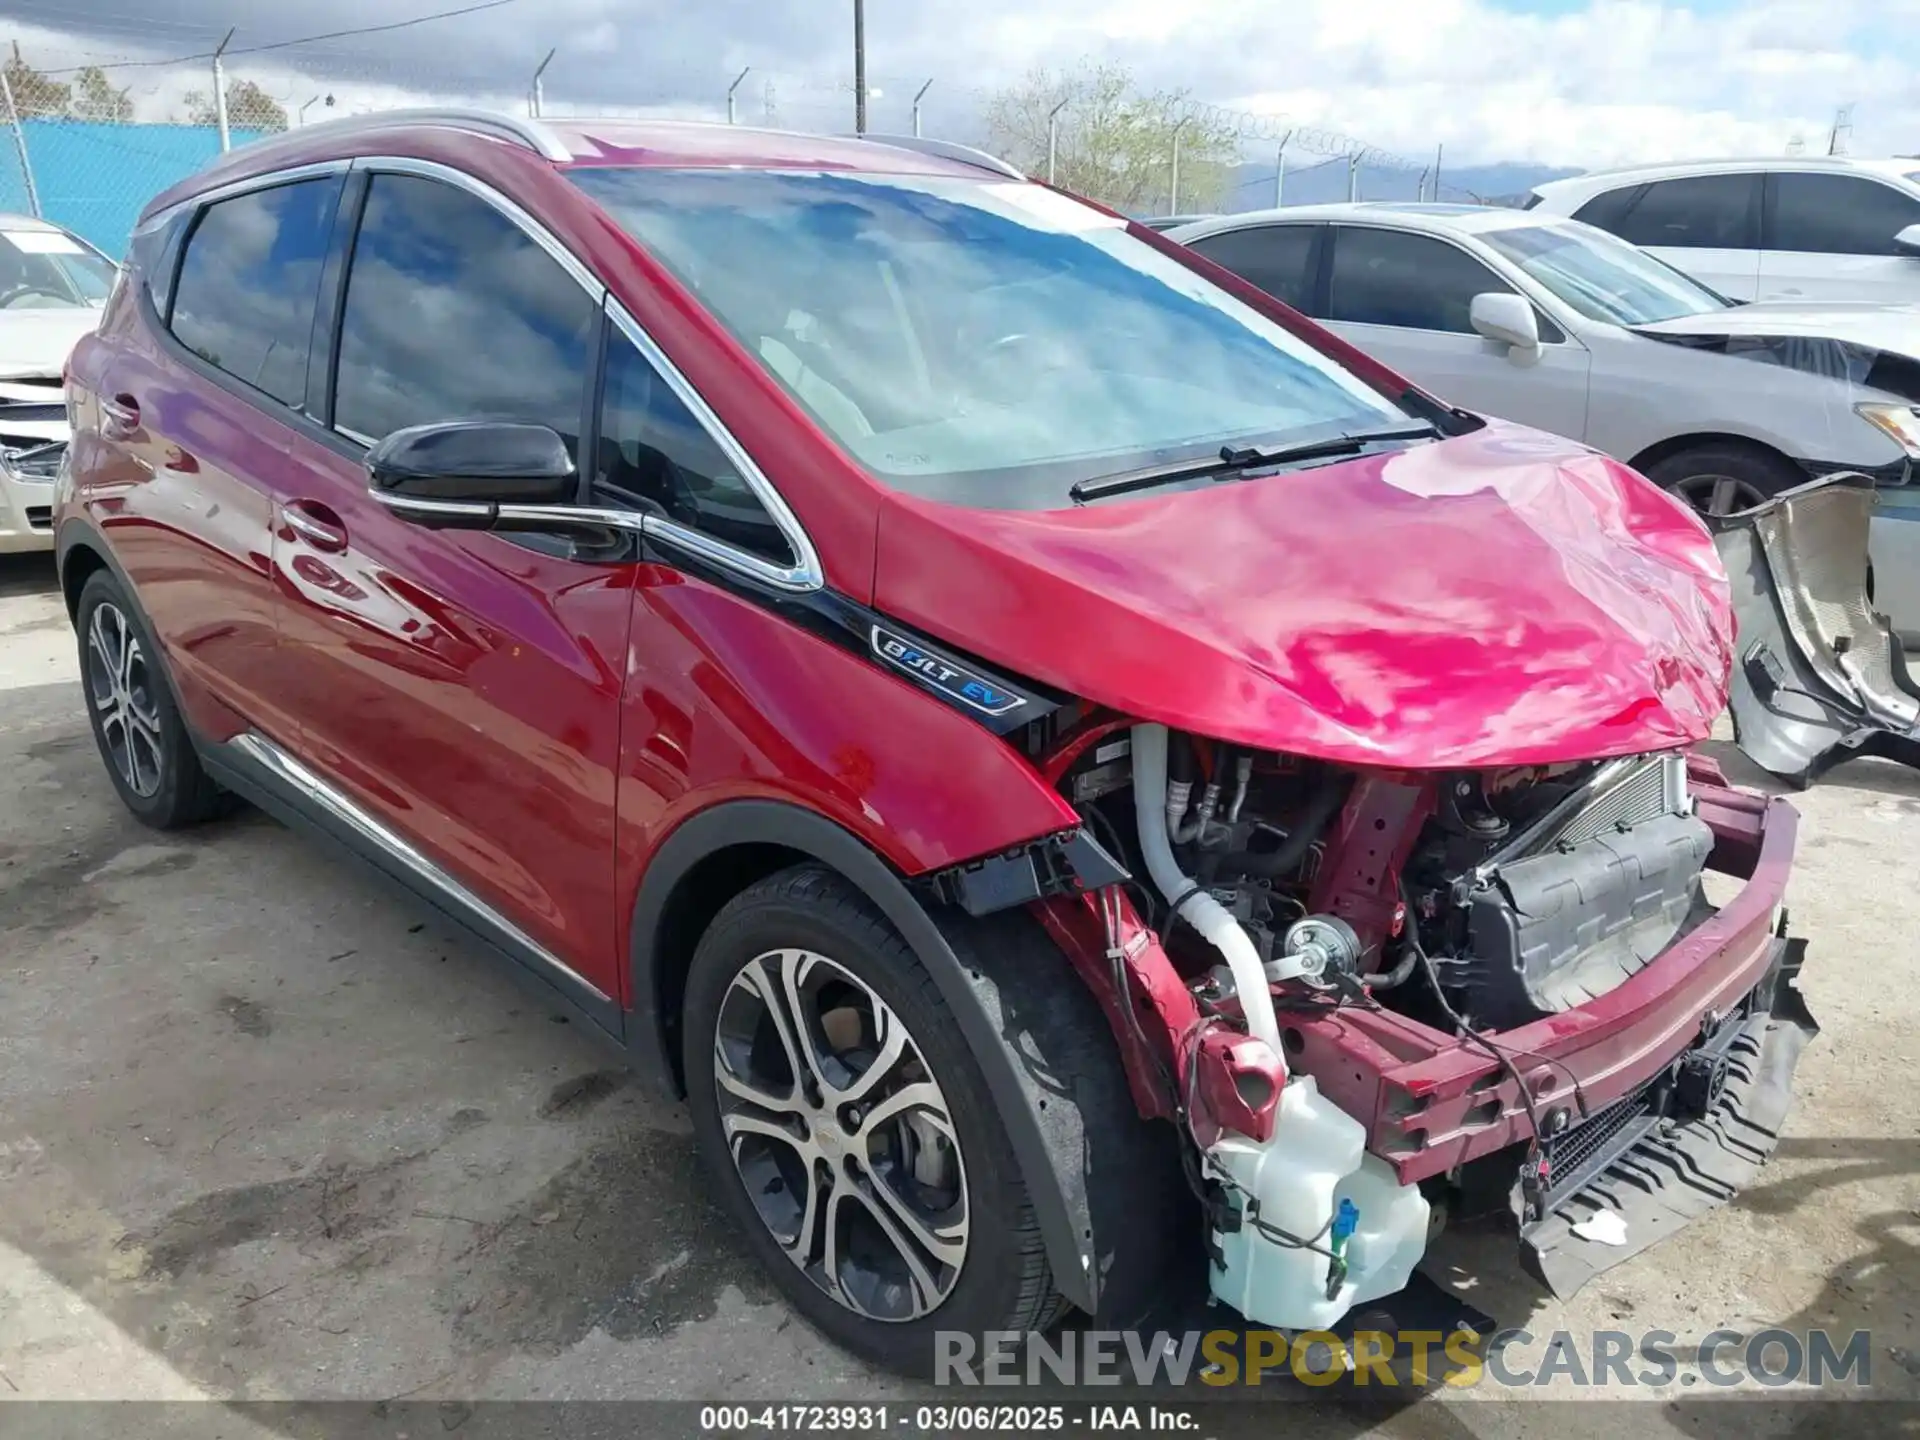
[1615, 81]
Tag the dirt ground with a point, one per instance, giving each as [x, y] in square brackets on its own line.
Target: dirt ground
[268, 1132]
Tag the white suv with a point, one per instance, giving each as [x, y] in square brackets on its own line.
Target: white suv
[1795, 228]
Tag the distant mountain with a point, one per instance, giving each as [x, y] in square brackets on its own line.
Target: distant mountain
[1311, 182]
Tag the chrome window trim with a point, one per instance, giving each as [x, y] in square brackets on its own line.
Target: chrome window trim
[267, 180]
[479, 189]
[805, 573]
[291, 772]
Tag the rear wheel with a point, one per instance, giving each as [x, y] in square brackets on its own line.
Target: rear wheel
[849, 1129]
[1724, 478]
[143, 741]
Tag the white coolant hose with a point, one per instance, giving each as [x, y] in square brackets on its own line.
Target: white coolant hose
[1197, 908]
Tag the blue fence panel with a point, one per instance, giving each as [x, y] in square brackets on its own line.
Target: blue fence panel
[94, 178]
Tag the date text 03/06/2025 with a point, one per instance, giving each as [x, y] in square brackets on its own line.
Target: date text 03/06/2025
[940, 1419]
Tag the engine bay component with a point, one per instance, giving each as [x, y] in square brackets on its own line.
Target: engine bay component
[1276, 1256]
[1323, 947]
[1556, 929]
[1184, 896]
[1819, 677]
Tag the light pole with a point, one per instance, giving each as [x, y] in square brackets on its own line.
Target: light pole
[859, 67]
[539, 100]
[733, 87]
[220, 93]
[916, 107]
[1280, 173]
[1173, 190]
[1053, 137]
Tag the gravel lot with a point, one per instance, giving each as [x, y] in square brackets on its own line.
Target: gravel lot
[269, 1132]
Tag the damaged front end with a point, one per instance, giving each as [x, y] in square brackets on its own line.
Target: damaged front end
[1819, 677]
[33, 445]
[1374, 999]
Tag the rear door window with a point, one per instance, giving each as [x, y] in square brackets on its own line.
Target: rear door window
[1390, 277]
[249, 280]
[453, 312]
[1699, 212]
[1836, 214]
[1277, 258]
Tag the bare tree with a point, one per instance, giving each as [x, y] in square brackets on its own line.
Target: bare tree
[33, 92]
[248, 108]
[1114, 143]
[94, 98]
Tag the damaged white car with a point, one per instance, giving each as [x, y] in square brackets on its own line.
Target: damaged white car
[52, 287]
[1556, 324]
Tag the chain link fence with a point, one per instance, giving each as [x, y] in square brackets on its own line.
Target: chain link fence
[87, 145]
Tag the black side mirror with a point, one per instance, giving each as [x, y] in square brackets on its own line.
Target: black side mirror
[460, 472]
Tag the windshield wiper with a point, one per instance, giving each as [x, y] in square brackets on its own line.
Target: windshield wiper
[1233, 460]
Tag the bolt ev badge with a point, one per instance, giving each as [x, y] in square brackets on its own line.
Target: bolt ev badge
[943, 676]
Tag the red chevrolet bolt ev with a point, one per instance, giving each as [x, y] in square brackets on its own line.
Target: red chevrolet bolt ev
[1075, 773]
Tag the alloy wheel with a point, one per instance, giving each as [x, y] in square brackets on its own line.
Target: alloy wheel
[1718, 494]
[121, 688]
[841, 1135]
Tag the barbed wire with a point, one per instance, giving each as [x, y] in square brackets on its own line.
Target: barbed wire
[1246, 125]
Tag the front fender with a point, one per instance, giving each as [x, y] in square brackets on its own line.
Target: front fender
[1048, 1150]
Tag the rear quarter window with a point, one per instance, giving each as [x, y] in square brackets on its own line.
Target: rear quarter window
[1695, 212]
[249, 280]
[1608, 210]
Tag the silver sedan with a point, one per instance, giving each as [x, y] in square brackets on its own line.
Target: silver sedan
[1555, 324]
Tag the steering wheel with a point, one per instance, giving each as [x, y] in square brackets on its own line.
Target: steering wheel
[13, 293]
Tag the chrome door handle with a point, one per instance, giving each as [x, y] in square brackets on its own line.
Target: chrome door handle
[321, 534]
[120, 414]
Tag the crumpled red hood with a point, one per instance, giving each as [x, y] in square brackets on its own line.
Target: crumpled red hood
[1500, 598]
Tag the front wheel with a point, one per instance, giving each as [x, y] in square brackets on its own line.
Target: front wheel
[850, 1131]
[1724, 478]
[136, 724]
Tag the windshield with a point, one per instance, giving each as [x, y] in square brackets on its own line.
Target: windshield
[50, 270]
[978, 341]
[1601, 277]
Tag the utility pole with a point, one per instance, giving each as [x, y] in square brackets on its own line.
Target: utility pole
[859, 67]
[733, 87]
[1053, 137]
[916, 107]
[1842, 131]
[1353, 176]
[220, 94]
[1439, 153]
[20, 142]
[538, 102]
[1173, 189]
[1280, 173]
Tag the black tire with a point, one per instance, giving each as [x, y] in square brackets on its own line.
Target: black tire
[1004, 1281]
[1723, 477]
[132, 712]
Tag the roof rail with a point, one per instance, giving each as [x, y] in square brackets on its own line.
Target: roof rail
[946, 150]
[515, 129]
